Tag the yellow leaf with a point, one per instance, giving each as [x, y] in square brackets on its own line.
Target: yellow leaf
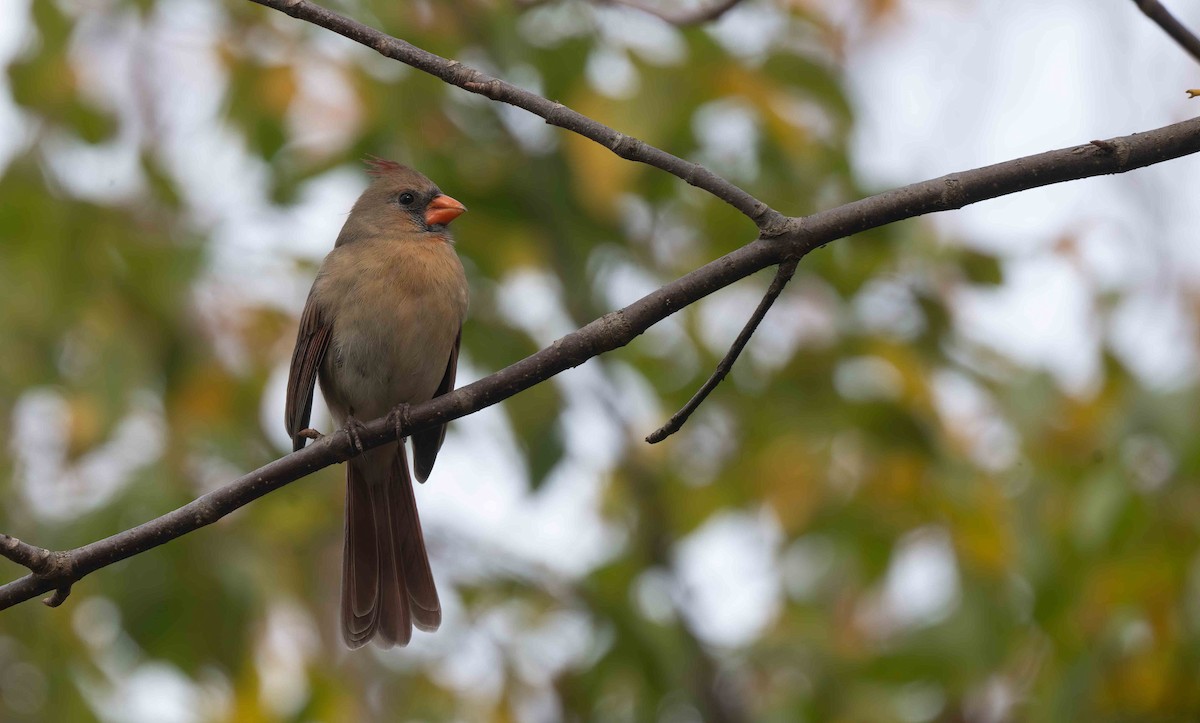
[790, 480]
[277, 87]
[599, 175]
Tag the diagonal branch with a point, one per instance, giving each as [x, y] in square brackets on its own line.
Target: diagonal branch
[618, 328]
[768, 220]
[1154, 10]
[677, 420]
[682, 18]
[955, 190]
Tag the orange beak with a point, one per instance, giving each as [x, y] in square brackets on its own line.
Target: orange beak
[442, 210]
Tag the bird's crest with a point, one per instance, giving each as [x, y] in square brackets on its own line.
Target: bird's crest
[377, 166]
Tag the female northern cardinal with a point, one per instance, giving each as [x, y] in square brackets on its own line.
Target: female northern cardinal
[381, 328]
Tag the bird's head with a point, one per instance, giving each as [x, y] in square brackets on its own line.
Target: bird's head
[401, 197]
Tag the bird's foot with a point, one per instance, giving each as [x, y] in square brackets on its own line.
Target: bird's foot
[354, 430]
[309, 433]
[399, 419]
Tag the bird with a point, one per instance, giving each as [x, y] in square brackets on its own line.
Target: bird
[381, 329]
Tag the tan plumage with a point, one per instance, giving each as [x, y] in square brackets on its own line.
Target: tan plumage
[381, 328]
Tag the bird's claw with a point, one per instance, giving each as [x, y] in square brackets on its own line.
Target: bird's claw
[354, 429]
[399, 419]
[309, 433]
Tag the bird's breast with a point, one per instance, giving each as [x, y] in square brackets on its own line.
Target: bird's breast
[396, 312]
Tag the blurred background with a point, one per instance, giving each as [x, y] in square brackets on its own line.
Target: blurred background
[954, 477]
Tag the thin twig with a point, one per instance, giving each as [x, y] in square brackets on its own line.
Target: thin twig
[768, 220]
[682, 18]
[58, 596]
[36, 559]
[1154, 10]
[43, 564]
[677, 420]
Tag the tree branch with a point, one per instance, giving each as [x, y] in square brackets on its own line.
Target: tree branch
[618, 328]
[1154, 10]
[768, 220]
[955, 190]
[681, 18]
[677, 420]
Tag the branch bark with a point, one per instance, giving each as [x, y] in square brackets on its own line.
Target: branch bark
[1154, 10]
[682, 18]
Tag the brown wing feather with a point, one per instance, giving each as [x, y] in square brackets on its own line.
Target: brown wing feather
[427, 443]
[312, 342]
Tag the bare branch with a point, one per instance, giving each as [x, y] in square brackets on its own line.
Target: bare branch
[681, 18]
[677, 420]
[768, 220]
[1154, 10]
[955, 190]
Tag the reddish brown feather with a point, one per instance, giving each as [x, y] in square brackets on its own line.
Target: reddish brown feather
[312, 341]
[426, 443]
[395, 620]
[425, 607]
[387, 585]
[380, 166]
[360, 561]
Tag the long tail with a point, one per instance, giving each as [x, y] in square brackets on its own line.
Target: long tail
[387, 586]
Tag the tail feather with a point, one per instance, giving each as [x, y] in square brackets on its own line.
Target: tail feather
[395, 622]
[360, 560]
[422, 592]
[387, 586]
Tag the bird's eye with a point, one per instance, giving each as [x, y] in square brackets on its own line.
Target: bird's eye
[406, 198]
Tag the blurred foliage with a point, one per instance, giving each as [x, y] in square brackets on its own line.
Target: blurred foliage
[861, 423]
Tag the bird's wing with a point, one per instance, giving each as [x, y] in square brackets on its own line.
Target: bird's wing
[311, 345]
[426, 443]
